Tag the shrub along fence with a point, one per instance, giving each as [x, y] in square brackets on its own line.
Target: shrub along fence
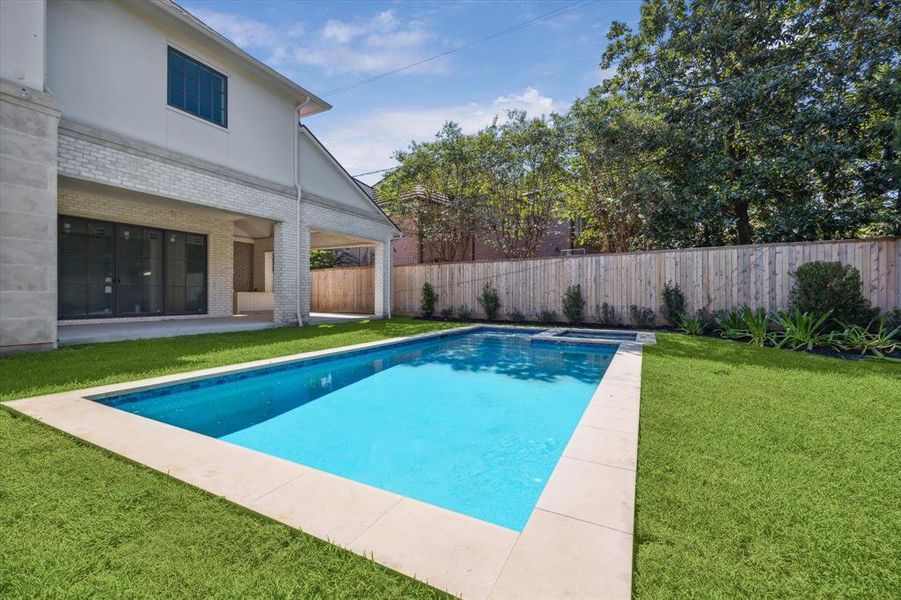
[721, 278]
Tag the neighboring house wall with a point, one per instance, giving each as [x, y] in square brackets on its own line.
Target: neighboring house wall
[558, 237]
[28, 132]
[219, 232]
[107, 64]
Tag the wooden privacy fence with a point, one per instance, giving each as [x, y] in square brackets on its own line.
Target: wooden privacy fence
[712, 278]
[342, 290]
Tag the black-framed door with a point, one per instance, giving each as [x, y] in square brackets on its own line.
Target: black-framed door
[119, 270]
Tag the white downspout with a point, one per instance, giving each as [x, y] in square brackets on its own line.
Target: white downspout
[295, 128]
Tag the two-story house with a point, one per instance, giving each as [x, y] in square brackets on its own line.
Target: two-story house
[139, 149]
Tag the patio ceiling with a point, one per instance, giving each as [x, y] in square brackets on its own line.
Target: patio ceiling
[329, 240]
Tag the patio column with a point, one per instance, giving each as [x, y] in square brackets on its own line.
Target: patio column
[303, 267]
[285, 249]
[382, 267]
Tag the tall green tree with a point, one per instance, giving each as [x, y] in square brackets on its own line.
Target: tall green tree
[521, 178]
[782, 116]
[615, 170]
[434, 192]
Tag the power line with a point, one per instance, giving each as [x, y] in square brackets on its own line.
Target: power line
[374, 172]
[542, 17]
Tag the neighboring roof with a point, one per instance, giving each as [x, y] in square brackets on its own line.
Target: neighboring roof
[315, 104]
[366, 191]
[370, 191]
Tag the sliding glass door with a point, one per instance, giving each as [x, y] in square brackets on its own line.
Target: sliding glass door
[86, 268]
[111, 269]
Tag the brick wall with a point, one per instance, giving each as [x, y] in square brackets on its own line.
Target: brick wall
[558, 237]
[219, 232]
[112, 160]
[243, 278]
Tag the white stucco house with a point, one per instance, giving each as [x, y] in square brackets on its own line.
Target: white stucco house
[139, 149]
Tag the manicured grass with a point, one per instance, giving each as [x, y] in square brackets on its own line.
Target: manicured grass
[77, 522]
[762, 473]
[767, 473]
[77, 367]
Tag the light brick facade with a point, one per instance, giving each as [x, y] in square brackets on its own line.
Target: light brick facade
[101, 157]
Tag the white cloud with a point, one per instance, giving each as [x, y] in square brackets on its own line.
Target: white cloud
[244, 32]
[379, 43]
[375, 44]
[367, 142]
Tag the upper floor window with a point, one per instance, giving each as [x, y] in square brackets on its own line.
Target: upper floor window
[197, 89]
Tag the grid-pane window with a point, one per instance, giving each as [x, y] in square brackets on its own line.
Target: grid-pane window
[114, 269]
[197, 89]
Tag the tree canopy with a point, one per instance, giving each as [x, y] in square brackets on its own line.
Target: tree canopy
[725, 122]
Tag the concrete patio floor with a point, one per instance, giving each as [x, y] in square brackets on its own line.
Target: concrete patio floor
[100, 331]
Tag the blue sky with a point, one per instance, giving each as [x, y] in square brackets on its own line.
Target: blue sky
[325, 45]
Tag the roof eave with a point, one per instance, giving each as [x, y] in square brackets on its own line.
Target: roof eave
[313, 103]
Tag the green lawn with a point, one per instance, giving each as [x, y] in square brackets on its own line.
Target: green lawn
[100, 364]
[761, 473]
[767, 473]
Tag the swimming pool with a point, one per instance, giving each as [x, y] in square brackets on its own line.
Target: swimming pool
[474, 421]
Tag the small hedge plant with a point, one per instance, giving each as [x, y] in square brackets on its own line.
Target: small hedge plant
[546, 317]
[606, 314]
[820, 287]
[573, 304]
[427, 299]
[490, 301]
[641, 316]
[673, 308]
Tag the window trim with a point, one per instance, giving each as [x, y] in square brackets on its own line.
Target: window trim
[204, 64]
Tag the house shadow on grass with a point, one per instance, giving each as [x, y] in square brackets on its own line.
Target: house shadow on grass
[76, 367]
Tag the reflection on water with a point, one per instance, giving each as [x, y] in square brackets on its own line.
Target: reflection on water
[223, 405]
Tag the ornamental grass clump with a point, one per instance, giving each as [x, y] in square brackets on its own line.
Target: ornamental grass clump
[876, 338]
[802, 330]
[691, 325]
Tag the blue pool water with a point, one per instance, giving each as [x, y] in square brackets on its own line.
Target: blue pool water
[473, 422]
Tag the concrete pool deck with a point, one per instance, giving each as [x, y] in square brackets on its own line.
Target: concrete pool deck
[576, 544]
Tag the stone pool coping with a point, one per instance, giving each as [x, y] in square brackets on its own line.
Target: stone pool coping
[577, 542]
